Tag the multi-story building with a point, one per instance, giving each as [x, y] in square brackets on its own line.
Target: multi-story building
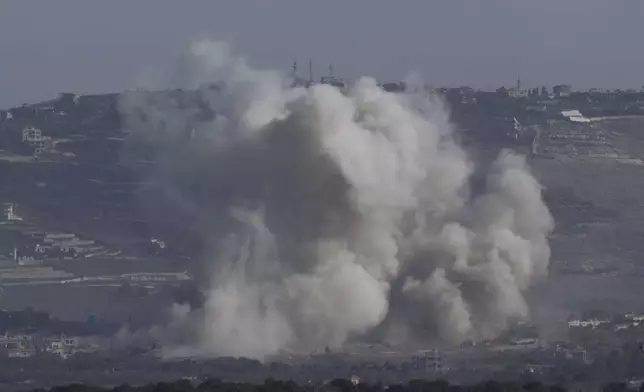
[562, 90]
[17, 346]
[62, 345]
[33, 136]
[430, 361]
[10, 212]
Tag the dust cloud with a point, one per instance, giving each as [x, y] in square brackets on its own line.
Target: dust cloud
[331, 214]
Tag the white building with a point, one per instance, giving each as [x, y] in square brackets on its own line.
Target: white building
[51, 237]
[575, 116]
[157, 242]
[33, 136]
[10, 212]
[593, 323]
[17, 346]
[62, 345]
[634, 317]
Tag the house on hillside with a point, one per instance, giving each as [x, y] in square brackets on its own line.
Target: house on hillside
[17, 346]
[33, 137]
[62, 346]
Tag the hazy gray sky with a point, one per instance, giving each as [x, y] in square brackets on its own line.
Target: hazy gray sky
[98, 46]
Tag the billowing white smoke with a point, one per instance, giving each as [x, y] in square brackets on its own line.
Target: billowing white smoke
[333, 213]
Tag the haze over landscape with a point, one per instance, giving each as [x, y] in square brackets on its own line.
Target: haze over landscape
[97, 47]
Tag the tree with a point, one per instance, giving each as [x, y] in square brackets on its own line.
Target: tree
[534, 386]
[493, 386]
[124, 388]
[76, 388]
[615, 387]
[342, 384]
[210, 385]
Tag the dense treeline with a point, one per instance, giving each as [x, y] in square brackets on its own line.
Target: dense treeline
[337, 385]
[32, 321]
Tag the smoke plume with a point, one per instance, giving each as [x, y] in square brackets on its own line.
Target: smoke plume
[332, 214]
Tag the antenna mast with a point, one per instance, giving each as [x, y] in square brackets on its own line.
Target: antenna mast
[294, 70]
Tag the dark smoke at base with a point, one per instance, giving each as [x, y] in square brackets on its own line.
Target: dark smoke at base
[331, 215]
